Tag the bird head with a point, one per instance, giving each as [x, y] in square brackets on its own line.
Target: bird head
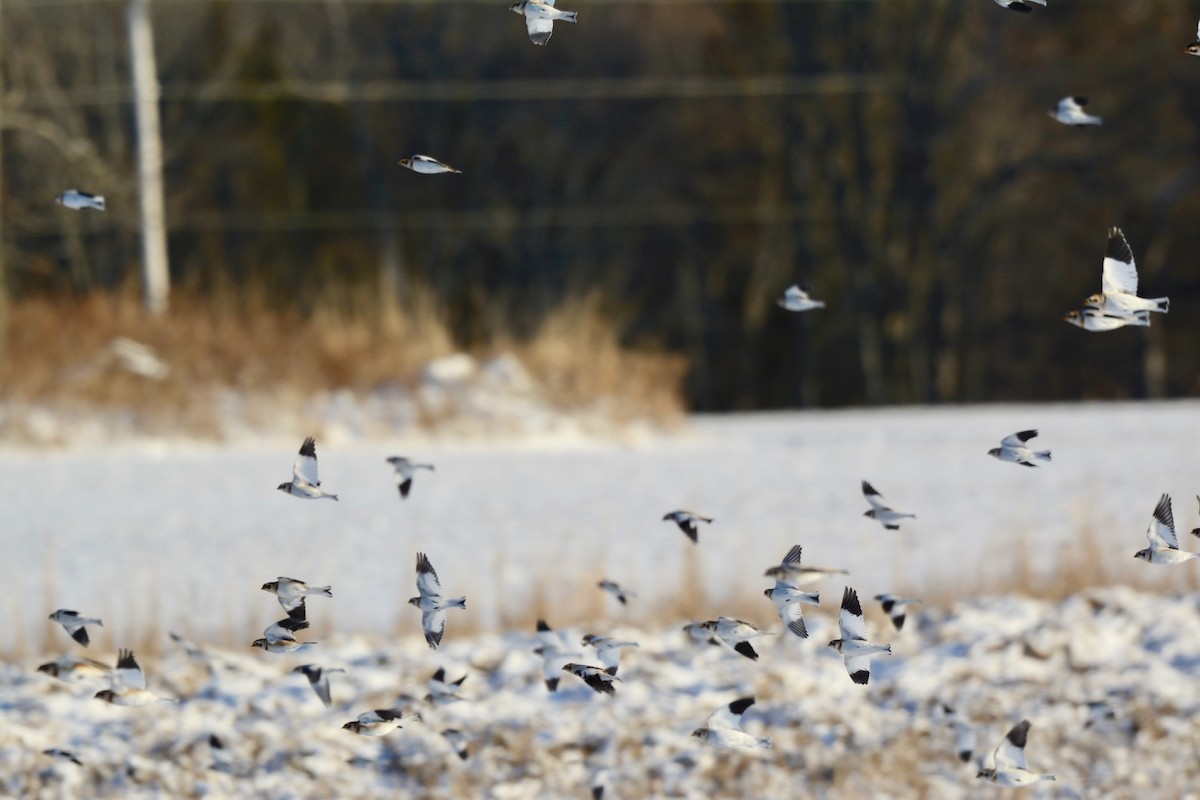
[1144, 554]
[405, 162]
[767, 593]
[1074, 317]
[354, 726]
[271, 586]
[1193, 49]
[259, 643]
[836, 644]
[415, 601]
[995, 452]
[869, 513]
[700, 733]
[50, 668]
[1094, 300]
[285, 487]
[106, 695]
[517, 8]
[986, 774]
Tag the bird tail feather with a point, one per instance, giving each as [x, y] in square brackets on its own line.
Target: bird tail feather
[569, 16]
[1044, 455]
[456, 602]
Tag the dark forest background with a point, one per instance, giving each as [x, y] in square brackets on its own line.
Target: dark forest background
[680, 163]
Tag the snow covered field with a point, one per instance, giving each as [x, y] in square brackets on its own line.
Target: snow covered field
[160, 536]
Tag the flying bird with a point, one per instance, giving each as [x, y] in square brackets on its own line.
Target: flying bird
[74, 624]
[129, 684]
[77, 200]
[283, 645]
[1013, 448]
[797, 299]
[552, 647]
[379, 722]
[284, 631]
[608, 650]
[433, 606]
[600, 680]
[318, 678]
[426, 165]
[895, 607]
[405, 469]
[1096, 321]
[1164, 544]
[724, 727]
[72, 669]
[880, 511]
[1009, 768]
[304, 475]
[291, 594]
[1070, 112]
[442, 691]
[540, 17]
[614, 588]
[964, 733]
[459, 741]
[788, 599]
[1019, 5]
[735, 633]
[790, 570]
[1193, 49]
[1118, 296]
[855, 649]
[686, 520]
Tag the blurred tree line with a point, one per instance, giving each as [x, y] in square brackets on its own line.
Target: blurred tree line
[685, 161]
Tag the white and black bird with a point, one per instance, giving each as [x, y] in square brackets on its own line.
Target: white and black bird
[284, 631]
[74, 624]
[855, 649]
[724, 728]
[1019, 5]
[283, 645]
[896, 607]
[405, 470]
[1163, 546]
[1070, 112]
[796, 298]
[129, 684]
[553, 648]
[1118, 295]
[788, 600]
[1009, 767]
[441, 691]
[1013, 448]
[736, 633]
[1094, 320]
[291, 594]
[791, 571]
[73, 669]
[433, 606]
[318, 678]
[686, 520]
[599, 679]
[608, 650]
[459, 741]
[964, 733]
[304, 481]
[1193, 49]
[880, 511]
[614, 588]
[540, 16]
[426, 165]
[379, 722]
[77, 200]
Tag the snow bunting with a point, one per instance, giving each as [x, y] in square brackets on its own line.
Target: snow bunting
[855, 649]
[614, 588]
[1096, 321]
[724, 727]
[1012, 448]
[790, 571]
[282, 645]
[74, 624]
[304, 475]
[433, 606]
[129, 684]
[552, 647]
[735, 633]
[379, 722]
[1164, 544]
[426, 165]
[405, 469]
[1009, 761]
[608, 650]
[1118, 295]
[600, 680]
[797, 299]
[1193, 49]
[318, 678]
[72, 669]
[964, 733]
[77, 201]
[880, 512]
[442, 691]
[894, 607]
[1019, 5]
[788, 599]
[459, 741]
[686, 520]
[539, 18]
[284, 631]
[291, 594]
[1070, 112]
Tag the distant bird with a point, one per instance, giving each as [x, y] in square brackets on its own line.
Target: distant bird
[304, 475]
[1164, 544]
[74, 624]
[788, 599]
[318, 678]
[1070, 112]
[895, 607]
[1193, 49]
[1009, 761]
[72, 669]
[735, 633]
[77, 200]
[129, 684]
[686, 520]
[379, 722]
[540, 17]
[1019, 5]
[405, 469]
[964, 733]
[282, 645]
[426, 165]
[880, 511]
[797, 299]
[291, 594]
[284, 631]
[600, 680]
[790, 570]
[59, 754]
[608, 650]
[1096, 321]
[553, 649]
[441, 691]
[855, 649]
[724, 727]
[614, 588]
[459, 741]
[1012, 448]
[1118, 294]
[433, 606]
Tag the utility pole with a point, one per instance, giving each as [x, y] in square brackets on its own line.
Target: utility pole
[156, 276]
